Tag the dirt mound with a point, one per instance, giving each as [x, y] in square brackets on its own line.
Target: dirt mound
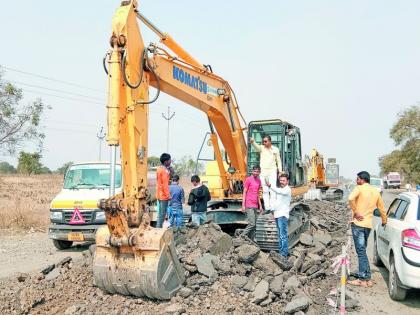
[225, 275]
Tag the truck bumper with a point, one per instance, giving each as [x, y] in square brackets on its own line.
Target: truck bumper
[62, 231]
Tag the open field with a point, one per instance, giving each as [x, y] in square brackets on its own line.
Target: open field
[25, 200]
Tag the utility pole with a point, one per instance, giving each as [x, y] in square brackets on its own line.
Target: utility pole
[101, 136]
[168, 117]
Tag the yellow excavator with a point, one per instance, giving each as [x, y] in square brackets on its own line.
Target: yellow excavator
[132, 257]
[323, 180]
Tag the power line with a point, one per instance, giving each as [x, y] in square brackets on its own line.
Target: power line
[70, 130]
[185, 117]
[54, 90]
[52, 79]
[69, 123]
[63, 97]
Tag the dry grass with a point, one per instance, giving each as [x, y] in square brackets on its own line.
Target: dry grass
[25, 200]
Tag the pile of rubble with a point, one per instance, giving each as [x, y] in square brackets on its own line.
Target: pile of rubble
[224, 275]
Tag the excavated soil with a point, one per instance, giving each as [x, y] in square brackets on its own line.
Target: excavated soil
[224, 275]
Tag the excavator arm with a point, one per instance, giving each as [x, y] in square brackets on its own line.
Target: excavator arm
[131, 256]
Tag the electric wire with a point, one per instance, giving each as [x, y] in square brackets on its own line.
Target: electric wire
[52, 79]
[54, 90]
[63, 97]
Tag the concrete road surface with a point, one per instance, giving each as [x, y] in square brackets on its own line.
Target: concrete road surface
[26, 252]
[376, 300]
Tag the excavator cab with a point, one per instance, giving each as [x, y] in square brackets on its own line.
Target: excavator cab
[286, 138]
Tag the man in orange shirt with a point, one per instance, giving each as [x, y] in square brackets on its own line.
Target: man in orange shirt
[163, 175]
[363, 200]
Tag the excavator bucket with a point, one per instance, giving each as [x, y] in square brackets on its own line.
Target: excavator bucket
[150, 269]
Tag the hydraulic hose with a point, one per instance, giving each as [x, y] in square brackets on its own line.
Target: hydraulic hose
[124, 73]
[144, 65]
[104, 62]
[157, 83]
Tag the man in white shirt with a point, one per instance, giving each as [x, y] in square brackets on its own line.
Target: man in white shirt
[270, 163]
[281, 212]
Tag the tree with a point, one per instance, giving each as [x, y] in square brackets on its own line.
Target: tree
[407, 126]
[63, 169]
[6, 168]
[406, 134]
[45, 170]
[18, 123]
[153, 161]
[29, 163]
[186, 166]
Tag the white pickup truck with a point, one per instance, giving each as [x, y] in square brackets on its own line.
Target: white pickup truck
[74, 213]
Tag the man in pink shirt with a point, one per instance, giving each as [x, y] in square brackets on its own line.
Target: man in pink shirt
[251, 201]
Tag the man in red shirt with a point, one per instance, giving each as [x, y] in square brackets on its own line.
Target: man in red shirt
[163, 175]
[251, 201]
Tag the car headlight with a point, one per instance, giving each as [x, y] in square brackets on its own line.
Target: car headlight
[100, 216]
[56, 215]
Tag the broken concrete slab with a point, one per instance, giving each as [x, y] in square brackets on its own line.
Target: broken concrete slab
[175, 309]
[205, 265]
[251, 284]
[316, 258]
[306, 239]
[281, 261]
[323, 238]
[64, 261]
[248, 253]
[185, 292]
[265, 264]
[48, 269]
[53, 274]
[261, 292]
[312, 270]
[239, 281]
[296, 305]
[276, 285]
[306, 265]
[292, 282]
[222, 245]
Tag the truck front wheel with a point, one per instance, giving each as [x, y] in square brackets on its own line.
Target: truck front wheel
[62, 244]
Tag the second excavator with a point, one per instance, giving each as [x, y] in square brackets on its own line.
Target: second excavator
[131, 256]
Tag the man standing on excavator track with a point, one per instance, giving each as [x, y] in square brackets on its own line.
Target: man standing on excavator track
[283, 197]
[251, 202]
[163, 175]
[270, 164]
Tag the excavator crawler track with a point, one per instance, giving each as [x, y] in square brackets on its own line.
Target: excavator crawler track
[266, 234]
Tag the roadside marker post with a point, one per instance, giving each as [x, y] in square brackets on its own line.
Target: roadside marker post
[343, 280]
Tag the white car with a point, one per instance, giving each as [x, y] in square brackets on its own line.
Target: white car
[397, 245]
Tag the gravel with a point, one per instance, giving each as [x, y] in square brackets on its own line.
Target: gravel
[224, 274]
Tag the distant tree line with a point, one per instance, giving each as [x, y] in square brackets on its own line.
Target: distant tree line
[405, 159]
[28, 163]
[185, 166]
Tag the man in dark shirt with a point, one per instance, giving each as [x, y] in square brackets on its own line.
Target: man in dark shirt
[177, 199]
[198, 198]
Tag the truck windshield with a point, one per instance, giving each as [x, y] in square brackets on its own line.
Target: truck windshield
[90, 176]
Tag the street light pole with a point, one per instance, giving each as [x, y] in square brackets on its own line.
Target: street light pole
[101, 136]
[168, 117]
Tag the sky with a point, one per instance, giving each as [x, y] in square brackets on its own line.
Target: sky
[339, 70]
